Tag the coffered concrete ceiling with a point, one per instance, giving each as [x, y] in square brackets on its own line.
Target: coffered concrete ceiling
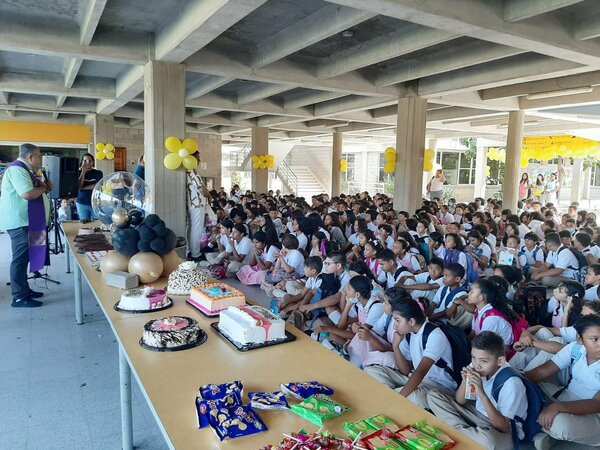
[306, 68]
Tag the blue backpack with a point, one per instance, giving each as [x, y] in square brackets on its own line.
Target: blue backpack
[472, 272]
[535, 405]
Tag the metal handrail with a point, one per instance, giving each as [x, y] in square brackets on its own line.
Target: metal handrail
[237, 159]
[287, 175]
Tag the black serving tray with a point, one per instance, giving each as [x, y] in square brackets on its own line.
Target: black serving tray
[127, 311]
[289, 337]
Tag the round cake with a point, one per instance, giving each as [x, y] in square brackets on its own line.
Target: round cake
[171, 332]
[145, 299]
[185, 277]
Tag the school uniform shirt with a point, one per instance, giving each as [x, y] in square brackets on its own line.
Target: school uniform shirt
[270, 255]
[389, 242]
[531, 257]
[438, 347]
[302, 241]
[556, 309]
[376, 269]
[483, 250]
[585, 383]
[225, 243]
[344, 280]
[391, 280]
[410, 262]
[244, 247]
[325, 232]
[446, 218]
[523, 230]
[592, 293]
[497, 324]
[353, 239]
[278, 225]
[440, 300]
[425, 278]
[373, 310]
[536, 227]
[458, 218]
[566, 260]
[295, 259]
[592, 250]
[313, 283]
[568, 334]
[493, 242]
[371, 226]
[439, 252]
[512, 398]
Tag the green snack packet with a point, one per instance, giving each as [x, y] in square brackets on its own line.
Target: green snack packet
[380, 422]
[417, 440]
[434, 432]
[361, 427]
[318, 409]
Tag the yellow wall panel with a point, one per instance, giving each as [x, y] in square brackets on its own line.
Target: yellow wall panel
[44, 132]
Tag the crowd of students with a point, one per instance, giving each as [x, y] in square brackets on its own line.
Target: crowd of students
[470, 311]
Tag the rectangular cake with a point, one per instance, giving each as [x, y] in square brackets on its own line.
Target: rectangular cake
[251, 325]
[215, 297]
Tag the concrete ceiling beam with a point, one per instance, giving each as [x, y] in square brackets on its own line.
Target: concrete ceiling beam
[261, 92]
[444, 61]
[203, 112]
[4, 97]
[350, 104]
[91, 18]
[484, 20]
[382, 48]
[588, 28]
[205, 86]
[88, 87]
[305, 99]
[219, 102]
[128, 86]
[591, 98]
[515, 10]
[134, 122]
[325, 22]
[243, 116]
[456, 112]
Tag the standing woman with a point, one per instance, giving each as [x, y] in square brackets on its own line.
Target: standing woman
[88, 177]
[552, 189]
[198, 206]
[436, 185]
[524, 186]
[540, 186]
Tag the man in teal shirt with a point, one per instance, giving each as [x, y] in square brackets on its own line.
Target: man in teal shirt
[17, 191]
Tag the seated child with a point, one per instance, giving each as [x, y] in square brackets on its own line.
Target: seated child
[593, 280]
[224, 246]
[582, 242]
[574, 414]
[241, 246]
[487, 420]
[446, 305]
[394, 275]
[425, 285]
[417, 370]
[309, 290]
[568, 294]
[262, 258]
[531, 255]
[513, 277]
[64, 212]
[288, 266]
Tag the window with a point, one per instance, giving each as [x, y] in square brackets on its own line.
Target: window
[466, 171]
[595, 178]
[382, 176]
[351, 158]
[457, 167]
[496, 172]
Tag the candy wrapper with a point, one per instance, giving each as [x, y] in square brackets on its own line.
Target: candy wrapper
[417, 440]
[360, 427]
[435, 433]
[382, 440]
[313, 441]
[380, 422]
[318, 409]
[219, 391]
[304, 390]
[470, 391]
[268, 400]
[236, 422]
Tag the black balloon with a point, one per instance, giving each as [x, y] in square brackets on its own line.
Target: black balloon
[146, 234]
[144, 246]
[125, 241]
[160, 229]
[158, 245]
[152, 220]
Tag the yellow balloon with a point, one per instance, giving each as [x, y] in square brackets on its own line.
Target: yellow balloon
[110, 147]
[255, 165]
[389, 168]
[172, 161]
[110, 155]
[190, 162]
[173, 144]
[390, 157]
[429, 154]
[190, 145]
[100, 155]
[390, 149]
[100, 146]
[427, 166]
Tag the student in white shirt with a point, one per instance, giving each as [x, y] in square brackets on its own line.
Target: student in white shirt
[394, 275]
[479, 250]
[446, 303]
[487, 420]
[582, 242]
[531, 254]
[225, 247]
[308, 289]
[242, 249]
[426, 284]
[417, 371]
[593, 280]
[560, 265]
[575, 416]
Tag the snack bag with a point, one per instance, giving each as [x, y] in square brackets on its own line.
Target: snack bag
[236, 422]
[417, 440]
[304, 389]
[318, 409]
[219, 391]
[268, 400]
[380, 422]
[383, 440]
[206, 410]
[361, 427]
[434, 432]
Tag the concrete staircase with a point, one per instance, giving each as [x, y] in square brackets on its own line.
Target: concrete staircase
[308, 184]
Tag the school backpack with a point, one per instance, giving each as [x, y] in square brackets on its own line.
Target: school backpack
[530, 300]
[422, 260]
[461, 348]
[517, 327]
[582, 262]
[424, 251]
[535, 405]
[472, 270]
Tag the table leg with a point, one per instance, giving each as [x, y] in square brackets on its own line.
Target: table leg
[78, 302]
[68, 256]
[126, 416]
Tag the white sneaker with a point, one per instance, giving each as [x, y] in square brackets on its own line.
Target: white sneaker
[543, 441]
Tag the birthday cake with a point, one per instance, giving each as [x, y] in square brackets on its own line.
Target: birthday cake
[145, 299]
[251, 325]
[215, 297]
[185, 277]
[171, 332]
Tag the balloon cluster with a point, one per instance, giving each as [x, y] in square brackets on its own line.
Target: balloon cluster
[263, 162]
[428, 159]
[105, 151]
[496, 154]
[343, 166]
[390, 160]
[150, 235]
[545, 148]
[180, 153]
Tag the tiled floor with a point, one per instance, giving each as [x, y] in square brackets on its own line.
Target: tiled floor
[58, 380]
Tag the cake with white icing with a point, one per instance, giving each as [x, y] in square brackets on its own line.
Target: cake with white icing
[171, 332]
[251, 325]
[145, 299]
[215, 297]
[185, 277]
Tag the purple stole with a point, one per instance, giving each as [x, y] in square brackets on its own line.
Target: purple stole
[38, 233]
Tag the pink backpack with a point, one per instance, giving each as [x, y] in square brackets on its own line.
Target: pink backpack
[517, 327]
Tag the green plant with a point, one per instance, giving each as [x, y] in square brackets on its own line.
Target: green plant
[590, 162]
[388, 185]
[471, 144]
[448, 193]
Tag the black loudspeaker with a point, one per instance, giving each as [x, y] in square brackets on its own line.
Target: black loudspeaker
[63, 171]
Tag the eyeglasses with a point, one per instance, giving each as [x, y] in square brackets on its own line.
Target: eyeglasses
[327, 263]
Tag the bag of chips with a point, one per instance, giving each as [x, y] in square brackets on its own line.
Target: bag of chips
[206, 410]
[268, 400]
[380, 422]
[236, 422]
[304, 389]
[434, 432]
[219, 391]
[417, 440]
[318, 409]
[382, 440]
[360, 427]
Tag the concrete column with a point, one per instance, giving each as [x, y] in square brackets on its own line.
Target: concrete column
[578, 177]
[410, 146]
[336, 157]
[514, 148]
[164, 116]
[587, 180]
[104, 132]
[260, 146]
[480, 172]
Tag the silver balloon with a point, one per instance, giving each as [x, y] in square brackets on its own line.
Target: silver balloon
[120, 217]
